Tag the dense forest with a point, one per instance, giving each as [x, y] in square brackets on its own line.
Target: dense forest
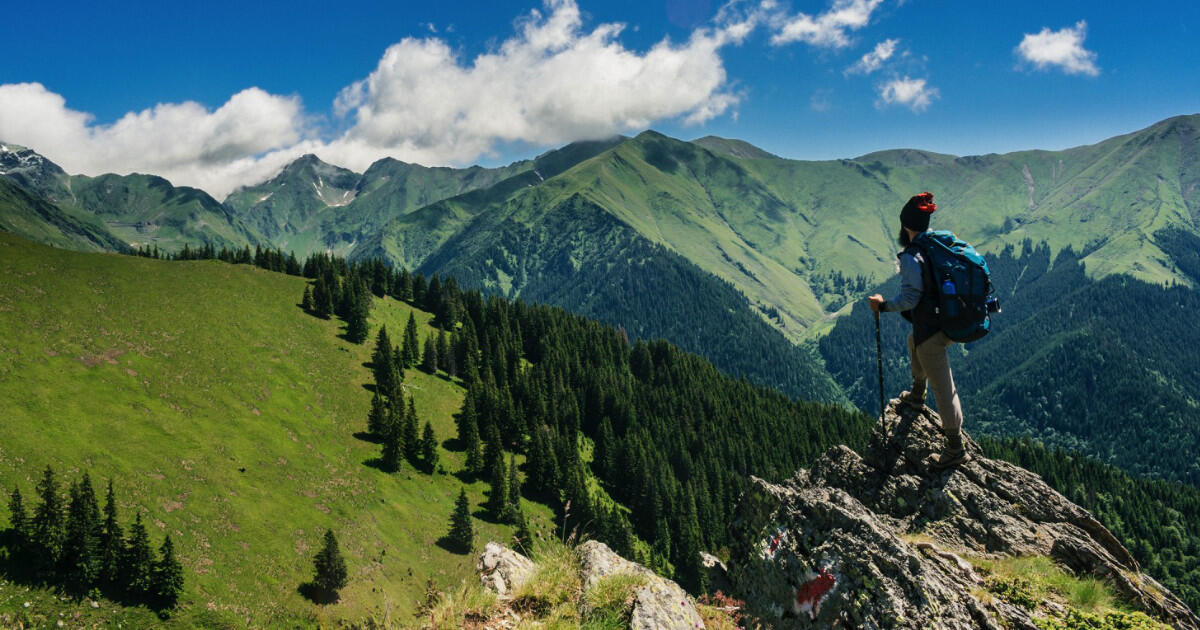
[640, 445]
[1086, 365]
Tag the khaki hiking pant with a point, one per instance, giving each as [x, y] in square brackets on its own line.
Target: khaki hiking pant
[929, 362]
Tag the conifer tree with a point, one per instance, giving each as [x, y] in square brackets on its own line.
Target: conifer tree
[522, 537]
[322, 298]
[469, 436]
[306, 302]
[47, 526]
[411, 343]
[330, 570]
[689, 569]
[138, 564]
[429, 362]
[411, 436]
[429, 453]
[356, 317]
[168, 575]
[462, 533]
[81, 561]
[443, 352]
[18, 519]
[497, 503]
[377, 418]
[112, 542]
[514, 492]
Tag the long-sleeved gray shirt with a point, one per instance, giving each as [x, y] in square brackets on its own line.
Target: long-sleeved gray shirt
[912, 283]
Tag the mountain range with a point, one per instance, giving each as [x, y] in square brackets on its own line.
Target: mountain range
[748, 258]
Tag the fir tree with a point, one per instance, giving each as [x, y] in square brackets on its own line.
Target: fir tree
[411, 437]
[138, 563]
[462, 533]
[306, 303]
[168, 575]
[497, 503]
[18, 519]
[322, 298]
[112, 542]
[411, 344]
[429, 362]
[522, 537]
[689, 568]
[443, 352]
[81, 560]
[514, 492]
[356, 317]
[384, 365]
[429, 453]
[47, 527]
[468, 434]
[330, 570]
[377, 418]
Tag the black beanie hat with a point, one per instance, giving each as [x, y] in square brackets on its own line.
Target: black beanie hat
[915, 215]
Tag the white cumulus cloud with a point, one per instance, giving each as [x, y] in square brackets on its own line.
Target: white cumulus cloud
[874, 60]
[914, 94]
[828, 29]
[552, 81]
[1062, 49]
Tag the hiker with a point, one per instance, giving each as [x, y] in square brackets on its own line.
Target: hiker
[926, 343]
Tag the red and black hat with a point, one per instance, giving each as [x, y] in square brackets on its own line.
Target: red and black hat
[915, 215]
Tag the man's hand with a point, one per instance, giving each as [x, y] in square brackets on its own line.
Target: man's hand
[876, 302]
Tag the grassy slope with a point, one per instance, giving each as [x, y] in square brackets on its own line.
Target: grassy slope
[172, 378]
[39, 220]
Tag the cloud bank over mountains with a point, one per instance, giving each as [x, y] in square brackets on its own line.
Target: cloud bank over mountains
[552, 81]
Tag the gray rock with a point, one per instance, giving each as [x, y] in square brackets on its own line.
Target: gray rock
[659, 605]
[502, 570]
[824, 547]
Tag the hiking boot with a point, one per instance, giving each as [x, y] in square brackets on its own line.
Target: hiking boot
[953, 454]
[914, 397]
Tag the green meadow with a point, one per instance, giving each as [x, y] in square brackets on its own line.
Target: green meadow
[226, 416]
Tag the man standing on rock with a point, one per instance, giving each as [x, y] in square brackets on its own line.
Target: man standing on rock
[926, 343]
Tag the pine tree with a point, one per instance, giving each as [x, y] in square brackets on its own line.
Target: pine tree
[469, 436]
[18, 519]
[112, 542]
[429, 362]
[377, 418]
[322, 298]
[411, 436]
[411, 344]
[522, 537]
[138, 563]
[429, 453]
[462, 533]
[356, 316]
[689, 569]
[443, 352]
[383, 363]
[497, 503]
[47, 525]
[306, 303]
[514, 492]
[330, 570]
[168, 575]
[81, 561]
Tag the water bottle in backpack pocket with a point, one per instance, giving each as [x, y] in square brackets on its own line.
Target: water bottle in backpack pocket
[962, 282]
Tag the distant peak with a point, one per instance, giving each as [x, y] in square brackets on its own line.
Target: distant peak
[734, 147]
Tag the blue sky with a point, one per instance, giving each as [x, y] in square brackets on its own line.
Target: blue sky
[220, 94]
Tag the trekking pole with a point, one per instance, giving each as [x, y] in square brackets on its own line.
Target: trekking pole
[879, 363]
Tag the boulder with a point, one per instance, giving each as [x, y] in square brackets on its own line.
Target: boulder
[502, 570]
[832, 544]
[659, 605]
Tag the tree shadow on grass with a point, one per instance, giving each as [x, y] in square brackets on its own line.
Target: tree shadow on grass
[370, 387]
[368, 437]
[453, 444]
[309, 591]
[449, 545]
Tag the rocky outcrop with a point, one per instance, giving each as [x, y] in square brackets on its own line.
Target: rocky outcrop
[879, 540]
[659, 604]
[502, 570]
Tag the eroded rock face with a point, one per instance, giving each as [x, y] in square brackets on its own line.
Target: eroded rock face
[828, 546]
[501, 569]
[660, 605]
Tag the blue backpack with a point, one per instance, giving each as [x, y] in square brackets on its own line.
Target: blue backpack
[961, 283]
